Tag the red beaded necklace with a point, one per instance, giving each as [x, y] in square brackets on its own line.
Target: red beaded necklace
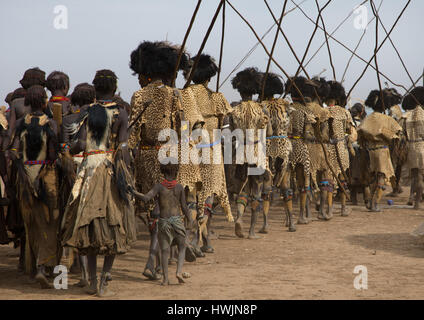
[169, 184]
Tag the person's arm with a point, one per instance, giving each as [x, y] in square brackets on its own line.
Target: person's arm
[184, 207]
[123, 136]
[52, 143]
[14, 148]
[12, 121]
[149, 195]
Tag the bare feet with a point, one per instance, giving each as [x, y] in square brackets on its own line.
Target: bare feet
[292, 228]
[264, 229]
[165, 283]
[82, 283]
[150, 275]
[180, 278]
[345, 212]
[42, 280]
[302, 220]
[253, 236]
[207, 249]
[190, 256]
[239, 229]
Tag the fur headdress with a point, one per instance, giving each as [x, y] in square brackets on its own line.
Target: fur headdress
[409, 103]
[323, 88]
[305, 86]
[274, 85]
[390, 96]
[247, 81]
[206, 69]
[157, 59]
[337, 93]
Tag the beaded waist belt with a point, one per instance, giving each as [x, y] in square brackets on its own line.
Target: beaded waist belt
[377, 148]
[277, 137]
[93, 152]
[210, 145]
[34, 162]
[296, 137]
[150, 147]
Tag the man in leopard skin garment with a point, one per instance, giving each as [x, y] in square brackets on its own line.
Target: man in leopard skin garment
[213, 107]
[307, 157]
[249, 115]
[412, 123]
[155, 107]
[341, 129]
[279, 146]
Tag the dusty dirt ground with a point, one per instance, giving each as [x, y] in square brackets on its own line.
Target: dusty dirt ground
[316, 262]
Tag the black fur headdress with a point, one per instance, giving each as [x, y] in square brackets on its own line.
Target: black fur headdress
[409, 103]
[274, 85]
[157, 59]
[247, 81]
[323, 88]
[205, 70]
[306, 86]
[390, 96]
[337, 93]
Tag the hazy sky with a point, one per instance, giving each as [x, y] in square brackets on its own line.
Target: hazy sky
[102, 33]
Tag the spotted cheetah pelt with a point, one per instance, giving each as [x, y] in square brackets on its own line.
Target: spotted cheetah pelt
[301, 121]
[341, 127]
[279, 145]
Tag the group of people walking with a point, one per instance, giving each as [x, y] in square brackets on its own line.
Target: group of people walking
[78, 169]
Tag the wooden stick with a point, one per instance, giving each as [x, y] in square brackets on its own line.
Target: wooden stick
[333, 32]
[272, 50]
[348, 49]
[146, 105]
[307, 48]
[205, 39]
[266, 50]
[292, 50]
[379, 47]
[326, 41]
[222, 47]
[255, 46]
[375, 54]
[193, 17]
[359, 42]
[397, 51]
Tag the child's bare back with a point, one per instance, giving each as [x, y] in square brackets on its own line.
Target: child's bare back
[170, 195]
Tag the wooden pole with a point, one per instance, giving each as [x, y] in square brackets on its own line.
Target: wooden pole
[205, 39]
[221, 51]
[272, 50]
[193, 17]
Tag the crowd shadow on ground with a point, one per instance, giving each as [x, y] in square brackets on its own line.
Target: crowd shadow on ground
[403, 244]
